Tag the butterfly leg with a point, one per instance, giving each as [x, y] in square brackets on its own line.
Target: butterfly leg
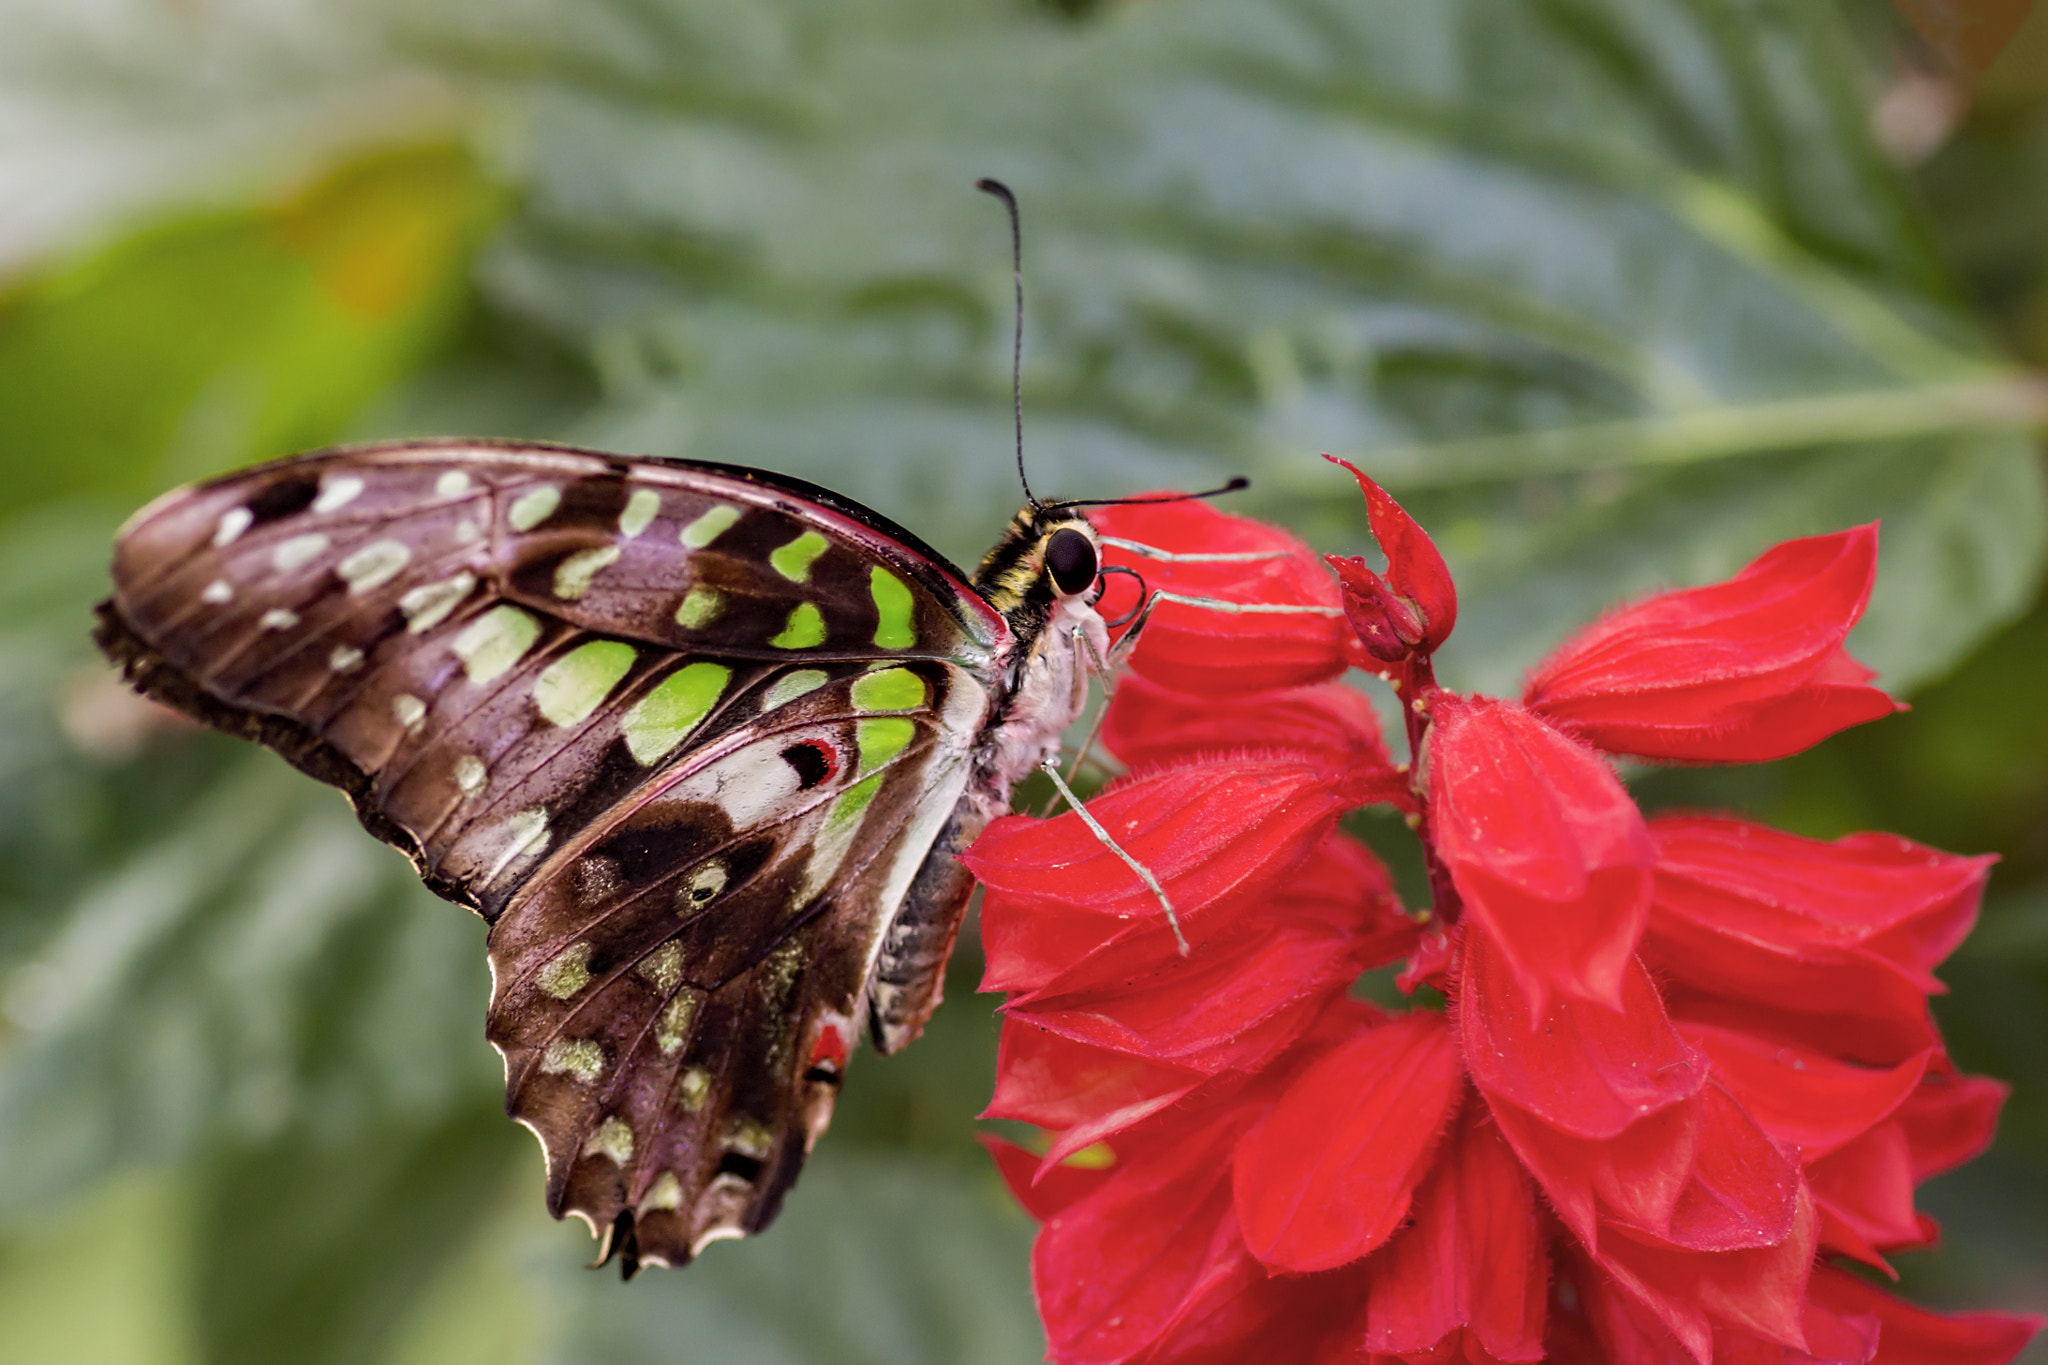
[1052, 770]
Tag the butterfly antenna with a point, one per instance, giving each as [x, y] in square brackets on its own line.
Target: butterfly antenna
[1002, 192]
[1233, 486]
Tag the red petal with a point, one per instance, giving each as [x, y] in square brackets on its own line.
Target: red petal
[1149, 725]
[1148, 1250]
[1234, 1001]
[1723, 673]
[1849, 1005]
[1085, 1093]
[1868, 1187]
[1902, 901]
[1579, 1067]
[1249, 987]
[1256, 1317]
[1544, 845]
[1207, 831]
[1415, 570]
[1042, 1193]
[1949, 1120]
[1805, 1099]
[1911, 1335]
[1475, 1257]
[1761, 1290]
[1327, 1175]
[1210, 652]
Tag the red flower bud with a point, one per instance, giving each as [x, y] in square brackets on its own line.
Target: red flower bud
[1413, 608]
[1738, 672]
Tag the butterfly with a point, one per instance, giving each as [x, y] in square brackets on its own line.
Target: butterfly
[701, 743]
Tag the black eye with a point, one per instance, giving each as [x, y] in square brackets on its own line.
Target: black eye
[1070, 559]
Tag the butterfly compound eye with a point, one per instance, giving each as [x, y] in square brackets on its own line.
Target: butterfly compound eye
[1070, 559]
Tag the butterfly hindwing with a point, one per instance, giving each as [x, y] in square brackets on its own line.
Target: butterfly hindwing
[566, 684]
[671, 1070]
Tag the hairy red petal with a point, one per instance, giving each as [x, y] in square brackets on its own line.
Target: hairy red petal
[1415, 570]
[1250, 984]
[1042, 1193]
[1911, 1335]
[1849, 1005]
[1759, 1290]
[1949, 1120]
[1086, 1093]
[1327, 1175]
[1736, 672]
[1805, 1099]
[1234, 1001]
[1579, 1067]
[1474, 1258]
[1147, 1251]
[1901, 901]
[1211, 652]
[1149, 725]
[1544, 845]
[1208, 831]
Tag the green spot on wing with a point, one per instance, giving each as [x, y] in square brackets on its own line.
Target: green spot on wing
[709, 526]
[793, 561]
[790, 686]
[893, 610]
[804, 629]
[891, 689]
[881, 740]
[494, 642]
[852, 804]
[700, 608]
[660, 720]
[573, 686]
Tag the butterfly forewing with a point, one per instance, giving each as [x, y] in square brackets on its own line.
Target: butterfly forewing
[683, 734]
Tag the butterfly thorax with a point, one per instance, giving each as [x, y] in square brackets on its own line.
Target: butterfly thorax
[1042, 577]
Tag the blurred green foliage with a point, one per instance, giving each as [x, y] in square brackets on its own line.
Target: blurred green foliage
[1614, 294]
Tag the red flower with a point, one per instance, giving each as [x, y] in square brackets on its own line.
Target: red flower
[1739, 672]
[1682, 1059]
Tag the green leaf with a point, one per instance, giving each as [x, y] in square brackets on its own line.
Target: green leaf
[876, 1261]
[213, 341]
[1615, 294]
[313, 1247]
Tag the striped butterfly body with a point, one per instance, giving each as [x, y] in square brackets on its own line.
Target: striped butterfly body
[699, 742]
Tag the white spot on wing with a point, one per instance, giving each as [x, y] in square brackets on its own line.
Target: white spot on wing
[217, 592]
[278, 618]
[582, 1058]
[428, 606]
[665, 1193]
[533, 507]
[467, 532]
[470, 774]
[345, 658]
[453, 484]
[612, 1140]
[374, 565]
[525, 834]
[408, 710]
[573, 575]
[299, 551]
[337, 492]
[232, 523]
